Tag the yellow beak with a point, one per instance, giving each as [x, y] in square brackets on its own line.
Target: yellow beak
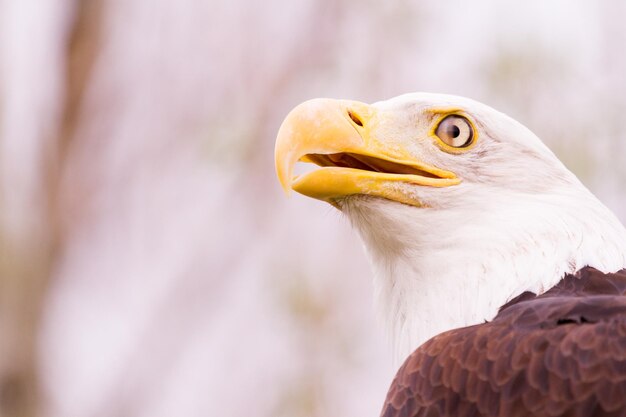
[336, 135]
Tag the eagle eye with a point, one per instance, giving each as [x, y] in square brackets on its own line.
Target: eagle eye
[455, 131]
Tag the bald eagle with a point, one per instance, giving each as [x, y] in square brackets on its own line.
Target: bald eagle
[495, 269]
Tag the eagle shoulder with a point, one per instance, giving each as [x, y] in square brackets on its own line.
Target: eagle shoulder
[556, 354]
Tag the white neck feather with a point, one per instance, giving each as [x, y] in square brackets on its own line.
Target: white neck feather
[442, 268]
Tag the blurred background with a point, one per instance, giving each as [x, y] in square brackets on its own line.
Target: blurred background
[150, 264]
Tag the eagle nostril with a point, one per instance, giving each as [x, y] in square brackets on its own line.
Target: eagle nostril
[355, 118]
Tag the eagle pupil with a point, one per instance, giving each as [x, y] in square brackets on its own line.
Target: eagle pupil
[455, 131]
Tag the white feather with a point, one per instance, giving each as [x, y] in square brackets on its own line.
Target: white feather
[518, 222]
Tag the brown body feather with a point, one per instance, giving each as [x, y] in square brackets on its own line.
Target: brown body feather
[562, 353]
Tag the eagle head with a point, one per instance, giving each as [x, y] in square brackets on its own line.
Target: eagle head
[461, 208]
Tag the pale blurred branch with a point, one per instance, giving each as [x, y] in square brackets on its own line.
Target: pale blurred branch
[29, 217]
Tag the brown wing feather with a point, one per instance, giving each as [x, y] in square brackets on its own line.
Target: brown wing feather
[559, 354]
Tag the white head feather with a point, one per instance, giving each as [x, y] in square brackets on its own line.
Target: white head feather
[518, 222]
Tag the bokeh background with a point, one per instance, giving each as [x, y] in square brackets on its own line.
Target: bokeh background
[150, 265]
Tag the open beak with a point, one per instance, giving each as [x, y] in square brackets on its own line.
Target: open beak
[337, 136]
